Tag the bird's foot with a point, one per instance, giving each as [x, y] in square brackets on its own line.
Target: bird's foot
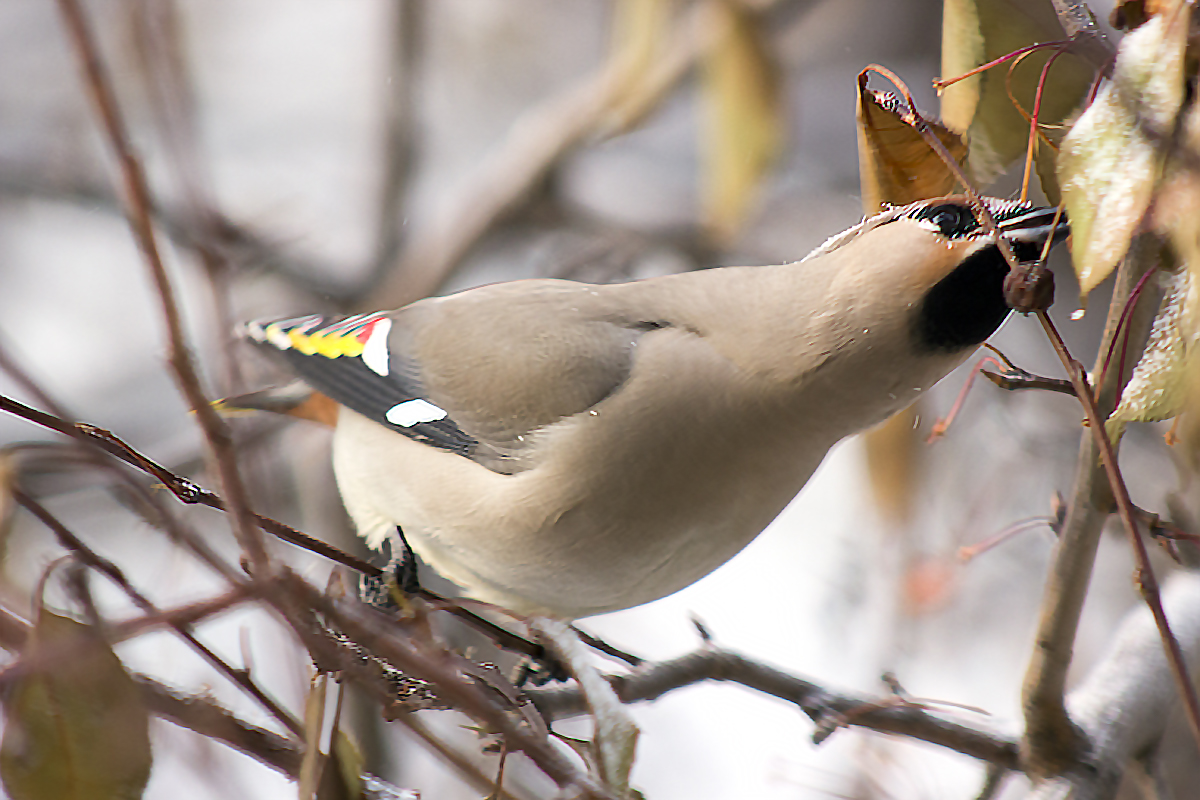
[399, 580]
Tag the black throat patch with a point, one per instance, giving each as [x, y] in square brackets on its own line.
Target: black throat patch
[966, 306]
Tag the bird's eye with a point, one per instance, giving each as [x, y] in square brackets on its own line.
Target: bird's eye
[950, 219]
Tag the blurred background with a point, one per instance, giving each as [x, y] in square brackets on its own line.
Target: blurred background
[334, 155]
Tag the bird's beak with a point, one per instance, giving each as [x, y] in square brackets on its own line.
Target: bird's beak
[1030, 230]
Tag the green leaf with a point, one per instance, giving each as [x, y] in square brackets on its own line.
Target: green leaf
[75, 727]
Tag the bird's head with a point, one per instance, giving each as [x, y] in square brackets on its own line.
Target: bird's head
[938, 263]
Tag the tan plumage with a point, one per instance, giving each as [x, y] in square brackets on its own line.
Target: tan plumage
[623, 441]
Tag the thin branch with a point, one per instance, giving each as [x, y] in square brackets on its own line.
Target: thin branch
[137, 195]
[185, 616]
[159, 43]
[184, 490]
[190, 493]
[825, 707]
[993, 782]
[91, 558]
[405, 30]
[203, 716]
[539, 142]
[441, 668]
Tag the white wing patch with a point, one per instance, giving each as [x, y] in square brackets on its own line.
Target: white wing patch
[413, 412]
[375, 356]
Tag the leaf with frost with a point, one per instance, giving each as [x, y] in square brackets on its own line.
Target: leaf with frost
[1160, 383]
[1108, 166]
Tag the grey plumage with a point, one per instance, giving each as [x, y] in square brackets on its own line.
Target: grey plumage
[609, 445]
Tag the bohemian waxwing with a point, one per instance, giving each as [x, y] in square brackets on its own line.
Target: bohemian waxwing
[572, 449]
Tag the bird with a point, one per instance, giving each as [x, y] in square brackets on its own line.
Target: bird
[571, 449]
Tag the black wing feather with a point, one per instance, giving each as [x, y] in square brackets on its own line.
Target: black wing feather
[348, 379]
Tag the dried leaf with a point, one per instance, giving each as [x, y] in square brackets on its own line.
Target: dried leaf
[1189, 426]
[8, 479]
[1108, 166]
[744, 129]
[975, 32]
[895, 164]
[893, 465]
[336, 775]
[75, 727]
[638, 33]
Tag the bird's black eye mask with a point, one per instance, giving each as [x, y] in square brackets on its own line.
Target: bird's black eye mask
[955, 219]
[967, 306]
[952, 220]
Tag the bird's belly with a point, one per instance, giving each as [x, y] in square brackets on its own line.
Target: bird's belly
[610, 548]
[581, 541]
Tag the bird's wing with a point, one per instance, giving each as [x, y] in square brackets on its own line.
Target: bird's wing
[348, 359]
[476, 373]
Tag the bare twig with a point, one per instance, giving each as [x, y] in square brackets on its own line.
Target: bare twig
[184, 490]
[441, 668]
[406, 20]
[993, 782]
[615, 734]
[188, 492]
[160, 45]
[1016, 379]
[137, 195]
[180, 616]
[91, 558]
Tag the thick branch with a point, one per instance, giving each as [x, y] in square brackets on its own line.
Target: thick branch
[1088, 39]
[1051, 741]
[827, 708]
[1127, 700]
